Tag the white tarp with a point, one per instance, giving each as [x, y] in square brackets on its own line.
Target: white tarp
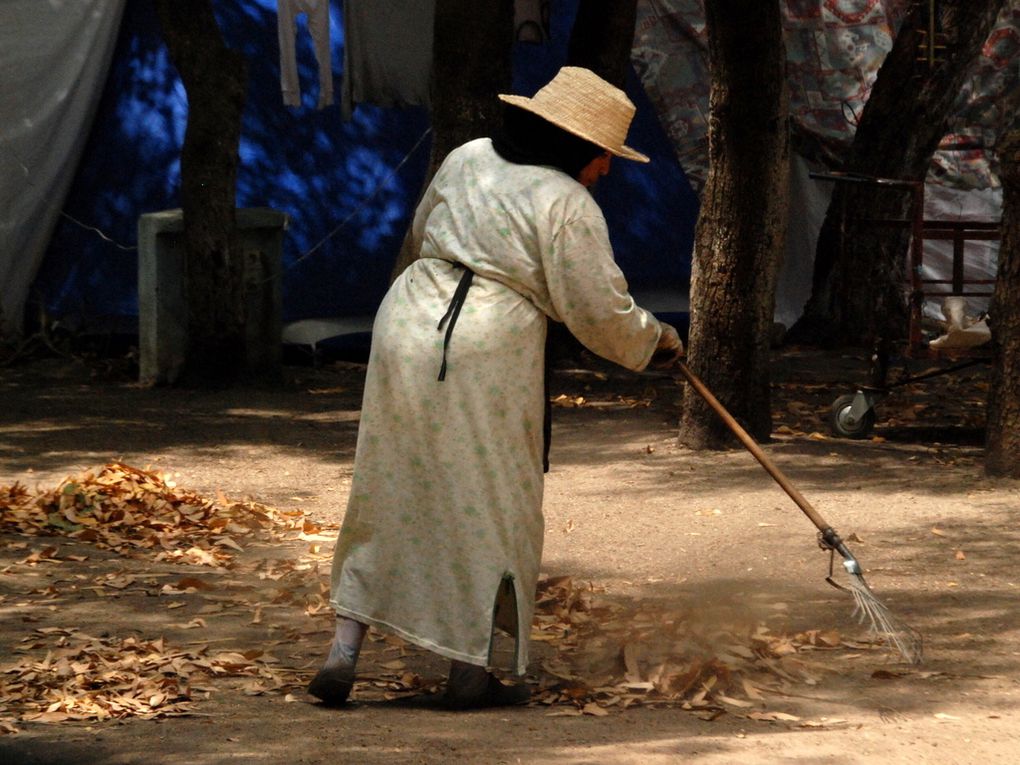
[834, 51]
[809, 201]
[54, 56]
[981, 257]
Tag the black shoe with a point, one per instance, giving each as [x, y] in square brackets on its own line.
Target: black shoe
[496, 694]
[332, 685]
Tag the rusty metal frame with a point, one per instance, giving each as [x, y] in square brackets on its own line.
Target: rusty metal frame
[958, 232]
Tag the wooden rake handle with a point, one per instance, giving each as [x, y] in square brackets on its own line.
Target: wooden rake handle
[752, 446]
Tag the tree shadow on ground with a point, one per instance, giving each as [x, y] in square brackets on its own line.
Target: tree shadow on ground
[57, 414]
[964, 607]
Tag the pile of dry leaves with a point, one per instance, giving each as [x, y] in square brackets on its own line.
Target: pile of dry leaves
[83, 677]
[606, 657]
[126, 509]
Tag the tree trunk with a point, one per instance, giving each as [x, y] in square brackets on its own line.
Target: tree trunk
[601, 38]
[1002, 454]
[741, 227]
[215, 79]
[471, 63]
[859, 273]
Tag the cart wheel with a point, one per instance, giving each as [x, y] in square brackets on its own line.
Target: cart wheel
[843, 423]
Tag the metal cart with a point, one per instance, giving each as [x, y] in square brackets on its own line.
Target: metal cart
[853, 414]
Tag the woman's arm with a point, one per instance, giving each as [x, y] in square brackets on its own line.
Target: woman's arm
[590, 294]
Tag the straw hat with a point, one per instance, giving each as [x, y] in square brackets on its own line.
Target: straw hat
[582, 103]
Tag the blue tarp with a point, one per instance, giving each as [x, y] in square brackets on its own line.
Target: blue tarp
[351, 184]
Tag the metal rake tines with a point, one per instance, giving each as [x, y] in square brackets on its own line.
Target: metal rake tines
[882, 623]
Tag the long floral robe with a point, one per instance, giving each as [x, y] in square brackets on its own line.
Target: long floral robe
[445, 510]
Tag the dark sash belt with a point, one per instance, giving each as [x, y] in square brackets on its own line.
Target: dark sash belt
[452, 313]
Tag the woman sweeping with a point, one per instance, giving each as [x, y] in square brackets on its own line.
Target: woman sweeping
[442, 539]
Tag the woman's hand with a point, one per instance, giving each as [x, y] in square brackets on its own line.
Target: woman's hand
[669, 350]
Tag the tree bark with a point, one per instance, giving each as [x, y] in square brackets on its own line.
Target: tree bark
[471, 63]
[1002, 453]
[859, 272]
[601, 38]
[741, 226]
[215, 79]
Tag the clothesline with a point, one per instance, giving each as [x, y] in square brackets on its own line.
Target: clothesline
[314, 248]
[101, 234]
[379, 187]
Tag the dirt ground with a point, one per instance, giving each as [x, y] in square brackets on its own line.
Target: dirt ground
[660, 536]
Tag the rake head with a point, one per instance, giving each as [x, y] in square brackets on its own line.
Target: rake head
[882, 623]
[868, 609]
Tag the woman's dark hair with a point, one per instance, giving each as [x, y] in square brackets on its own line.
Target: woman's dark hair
[527, 139]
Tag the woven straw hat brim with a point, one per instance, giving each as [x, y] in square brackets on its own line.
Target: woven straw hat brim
[573, 123]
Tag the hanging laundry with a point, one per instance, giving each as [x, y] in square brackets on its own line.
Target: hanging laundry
[317, 15]
[387, 53]
[531, 21]
[388, 49]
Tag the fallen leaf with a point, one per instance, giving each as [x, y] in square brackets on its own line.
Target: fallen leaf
[710, 714]
[829, 638]
[734, 702]
[118, 582]
[228, 542]
[751, 690]
[195, 623]
[773, 716]
[823, 723]
[630, 662]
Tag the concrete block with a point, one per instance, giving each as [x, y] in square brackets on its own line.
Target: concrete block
[162, 298]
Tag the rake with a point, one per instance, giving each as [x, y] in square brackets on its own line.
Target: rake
[868, 608]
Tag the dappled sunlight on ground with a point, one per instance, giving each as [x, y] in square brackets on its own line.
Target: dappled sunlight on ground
[684, 612]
